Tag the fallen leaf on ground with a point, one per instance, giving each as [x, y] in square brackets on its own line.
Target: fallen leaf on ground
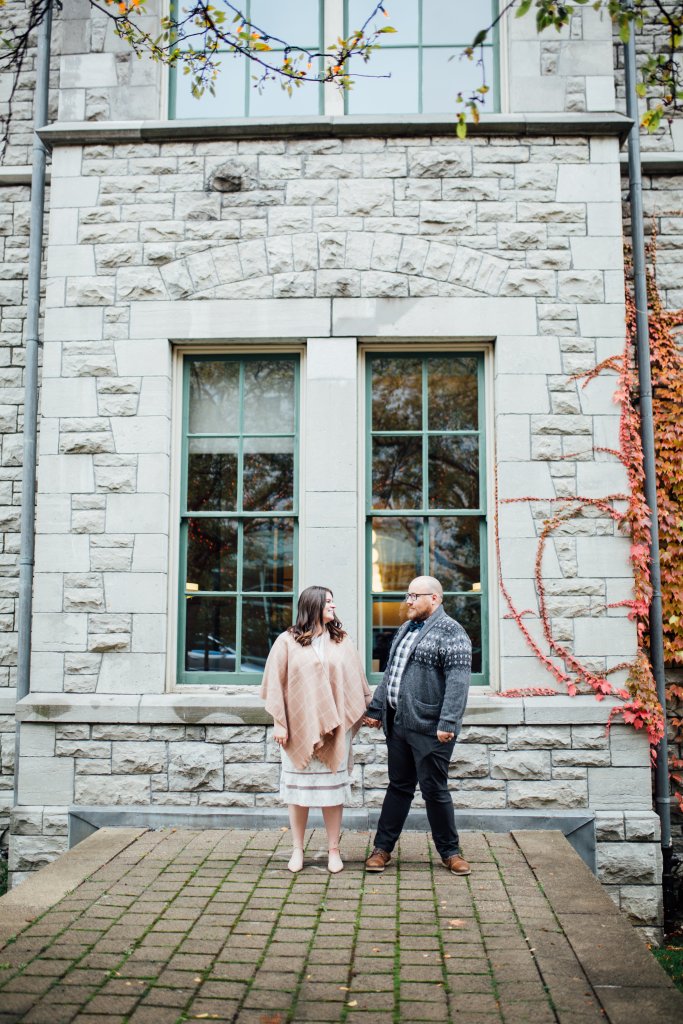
[455, 922]
[352, 1002]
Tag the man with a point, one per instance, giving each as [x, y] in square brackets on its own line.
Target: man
[420, 703]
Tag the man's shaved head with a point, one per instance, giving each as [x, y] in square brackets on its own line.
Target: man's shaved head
[427, 583]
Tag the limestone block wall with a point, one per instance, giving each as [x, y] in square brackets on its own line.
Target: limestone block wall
[100, 79]
[154, 244]
[570, 70]
[534, 754]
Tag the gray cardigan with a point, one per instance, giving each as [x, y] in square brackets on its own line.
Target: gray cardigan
[436, 679]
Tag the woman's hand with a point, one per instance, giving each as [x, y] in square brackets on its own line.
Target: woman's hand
[280, 735]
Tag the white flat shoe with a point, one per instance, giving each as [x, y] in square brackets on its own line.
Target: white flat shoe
[296, 861]
[334, 862]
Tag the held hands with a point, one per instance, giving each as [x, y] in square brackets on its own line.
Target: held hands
[374, 723]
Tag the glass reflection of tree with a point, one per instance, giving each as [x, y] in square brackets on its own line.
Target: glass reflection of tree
[452, 393]
[214, 384]
[268, 397]
[268, 481]
[455, 552]
[454, 472]
[396, 394]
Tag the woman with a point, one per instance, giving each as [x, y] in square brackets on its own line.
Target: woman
[315, 688]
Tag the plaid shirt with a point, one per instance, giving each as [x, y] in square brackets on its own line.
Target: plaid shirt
[398, 662]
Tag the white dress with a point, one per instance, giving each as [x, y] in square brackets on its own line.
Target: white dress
[315, 785]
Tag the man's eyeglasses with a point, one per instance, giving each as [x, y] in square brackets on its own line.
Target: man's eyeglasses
[414, 597]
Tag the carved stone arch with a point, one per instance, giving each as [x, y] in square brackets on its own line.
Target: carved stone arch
[347, 264]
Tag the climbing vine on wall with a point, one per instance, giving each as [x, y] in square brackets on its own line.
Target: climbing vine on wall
[638, 704]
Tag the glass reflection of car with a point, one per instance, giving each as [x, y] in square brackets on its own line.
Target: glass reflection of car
[210, 654]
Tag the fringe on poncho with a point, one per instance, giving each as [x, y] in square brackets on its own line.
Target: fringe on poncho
[316, 704]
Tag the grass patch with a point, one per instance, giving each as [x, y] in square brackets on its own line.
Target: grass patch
[670, 957]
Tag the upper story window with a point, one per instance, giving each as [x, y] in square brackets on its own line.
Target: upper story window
[422, 59]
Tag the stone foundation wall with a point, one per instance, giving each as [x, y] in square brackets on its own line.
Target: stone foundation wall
[516, 754]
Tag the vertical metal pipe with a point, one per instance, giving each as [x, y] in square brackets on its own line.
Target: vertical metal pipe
[662, 788]
[28, 477]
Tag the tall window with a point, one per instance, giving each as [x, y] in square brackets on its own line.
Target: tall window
[422, 59]
[426, 493]
[238, 514]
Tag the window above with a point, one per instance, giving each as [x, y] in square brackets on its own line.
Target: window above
[418, 69]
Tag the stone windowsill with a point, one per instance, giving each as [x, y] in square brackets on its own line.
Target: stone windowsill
[224, 709]
[82, 133]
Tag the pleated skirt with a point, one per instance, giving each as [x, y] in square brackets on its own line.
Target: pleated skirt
[315, 785]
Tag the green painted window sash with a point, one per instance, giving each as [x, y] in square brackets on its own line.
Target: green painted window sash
[478, 678]
[225, 678]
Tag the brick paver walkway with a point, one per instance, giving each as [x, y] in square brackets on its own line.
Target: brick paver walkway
[210, 925]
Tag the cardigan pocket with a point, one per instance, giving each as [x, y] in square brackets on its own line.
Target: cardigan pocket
[429, 711]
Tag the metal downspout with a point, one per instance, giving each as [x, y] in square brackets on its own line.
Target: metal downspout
[662, 788]
[28, 477]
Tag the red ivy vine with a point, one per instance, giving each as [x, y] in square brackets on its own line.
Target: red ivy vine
[638, 703]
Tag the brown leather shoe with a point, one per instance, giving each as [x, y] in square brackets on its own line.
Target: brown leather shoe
[457, 865]
[378, 860]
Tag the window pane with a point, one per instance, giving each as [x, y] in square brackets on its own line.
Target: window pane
[212, 474]
[452, 388]
[402, 15]
[268, 475]
[396, 394]
[263, 619]
[467, 611]
[387, 615]
[396, 553]
[214, 397]
[379, 94]
[443, 78]
[271, 100]
[453, 21]
[454, 472]
[397, 472]
[212, 554]
[210, 634]
[229, 88]
[298, 23]
[269, 405]
[268, 554]
[454, 552]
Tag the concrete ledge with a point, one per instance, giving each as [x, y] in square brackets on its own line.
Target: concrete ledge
[215, 708]
[618, 968]
[577, 826]
[49, 885]
[656, 163]
[83, 133]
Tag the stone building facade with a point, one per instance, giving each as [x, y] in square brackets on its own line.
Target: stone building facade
[335, 243]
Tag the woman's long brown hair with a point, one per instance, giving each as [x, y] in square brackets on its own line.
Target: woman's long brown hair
[309, 617]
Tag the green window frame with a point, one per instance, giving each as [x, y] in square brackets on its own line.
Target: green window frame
[239, 512]
[426, 442]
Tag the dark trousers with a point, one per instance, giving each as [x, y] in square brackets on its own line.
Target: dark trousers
[415, 758]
